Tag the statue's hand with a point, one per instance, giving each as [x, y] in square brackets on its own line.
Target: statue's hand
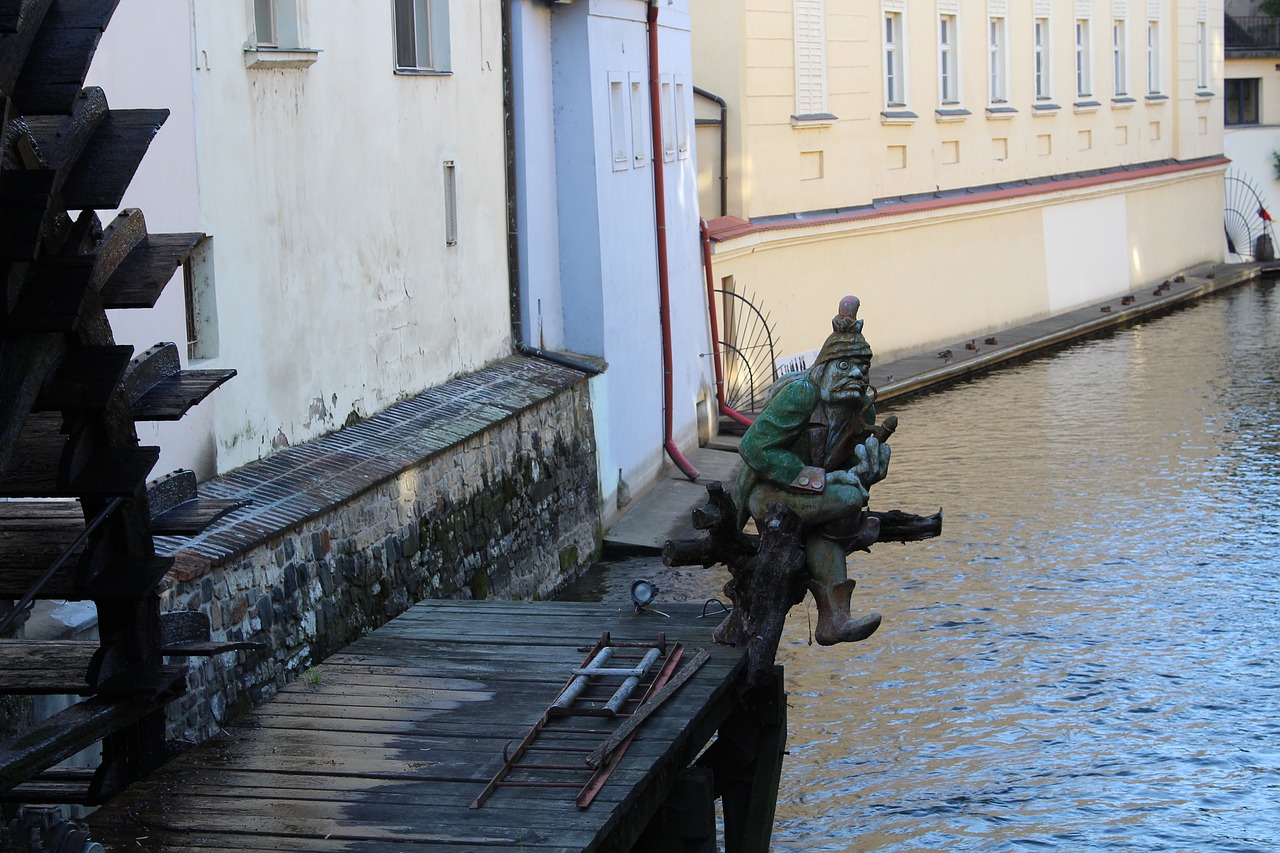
[873, 461]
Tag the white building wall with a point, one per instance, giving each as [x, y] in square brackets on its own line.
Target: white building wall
[605, 273]
[322, 188]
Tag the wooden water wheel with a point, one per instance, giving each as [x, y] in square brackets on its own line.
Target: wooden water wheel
[77, 513]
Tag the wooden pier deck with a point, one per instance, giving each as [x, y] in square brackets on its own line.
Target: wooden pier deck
[387, 745]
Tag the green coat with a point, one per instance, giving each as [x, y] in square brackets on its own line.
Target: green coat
[792, 440]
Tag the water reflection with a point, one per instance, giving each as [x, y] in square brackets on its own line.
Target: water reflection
[1087, 658]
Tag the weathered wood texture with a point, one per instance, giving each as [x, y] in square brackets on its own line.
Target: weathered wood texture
[390, 742]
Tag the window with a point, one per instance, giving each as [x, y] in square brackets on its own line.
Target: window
[264, 23]
[450, 204]
[667, 110]
[948, 67]
[998, 61]
[422, 35]
[278, 38]
[811, 58]
[1042, 63]
[201, 302]
[1119, 59]
[1084, 81]
[1202, 55]
[1154, 71]
[682, 122]
[1241, 101]
[894, 61]
[618, 115]
[640, 120]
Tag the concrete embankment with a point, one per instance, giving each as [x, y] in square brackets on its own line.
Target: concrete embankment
[663, 512]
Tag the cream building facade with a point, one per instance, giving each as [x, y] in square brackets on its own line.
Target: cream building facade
[961, 165]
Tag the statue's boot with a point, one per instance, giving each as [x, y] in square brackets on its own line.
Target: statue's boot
[835, 625]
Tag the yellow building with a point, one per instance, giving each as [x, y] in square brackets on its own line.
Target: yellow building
[961, 165]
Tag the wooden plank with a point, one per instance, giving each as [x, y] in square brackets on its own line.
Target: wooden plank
[409, 830]
[30, 667]
[398, 735]
[106, 165]
[61, 139]
[37, 459]
[26, 361]
[64, 734]
[192, 517]
[33, 535]
[59, 57]
[86, 379]
[170, 399]
[132, 834]
[24, 207]
[135, 836]
[16, 43]
[139, 279]
[54, 298]
[468, 824]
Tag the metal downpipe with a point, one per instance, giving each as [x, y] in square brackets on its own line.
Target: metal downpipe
[660, 225]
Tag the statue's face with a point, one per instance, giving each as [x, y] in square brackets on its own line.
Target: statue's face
[846, 380]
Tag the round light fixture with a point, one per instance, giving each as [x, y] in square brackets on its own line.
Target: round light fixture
[643, 593]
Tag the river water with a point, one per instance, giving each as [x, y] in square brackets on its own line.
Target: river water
[1086, 659]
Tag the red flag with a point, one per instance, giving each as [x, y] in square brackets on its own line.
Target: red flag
[1266, 217]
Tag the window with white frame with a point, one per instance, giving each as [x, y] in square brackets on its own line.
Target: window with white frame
[1084, 81]
[1153, 57]
[948, 64]
[1202, 55]
[997, 61]
[275, 24]
[682, 122]
[422, 35]
[1043, 65]
[895, 94]
[811, 57]
[1119, 58]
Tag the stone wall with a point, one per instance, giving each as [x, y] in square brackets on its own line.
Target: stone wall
[510, 511]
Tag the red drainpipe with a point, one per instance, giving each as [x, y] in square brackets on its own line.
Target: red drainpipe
[660, 223]
[715, 329]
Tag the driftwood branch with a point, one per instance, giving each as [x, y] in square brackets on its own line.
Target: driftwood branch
[769, 571]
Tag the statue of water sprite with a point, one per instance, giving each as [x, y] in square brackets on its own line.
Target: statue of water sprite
[817, 450]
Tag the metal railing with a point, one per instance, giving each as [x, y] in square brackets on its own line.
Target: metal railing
[1253, 32]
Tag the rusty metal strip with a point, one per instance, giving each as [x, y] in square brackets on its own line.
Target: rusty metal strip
[602, 773]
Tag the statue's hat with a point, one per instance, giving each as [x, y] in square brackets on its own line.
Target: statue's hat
[846, 340]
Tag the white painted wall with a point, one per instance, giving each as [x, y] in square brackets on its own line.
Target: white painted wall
[1076, 278]
[322, 189]
[590, 248]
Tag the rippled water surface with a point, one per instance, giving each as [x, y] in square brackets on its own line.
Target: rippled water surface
[1086, 659]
